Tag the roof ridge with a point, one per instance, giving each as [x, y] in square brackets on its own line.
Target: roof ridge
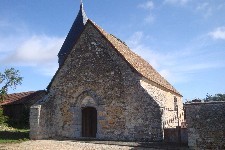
[21, 92]
[143, 67]
[136, 61]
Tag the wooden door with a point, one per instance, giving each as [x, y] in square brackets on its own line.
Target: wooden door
[89, 122]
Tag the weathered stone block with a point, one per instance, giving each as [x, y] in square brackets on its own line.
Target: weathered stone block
[206, 131]
[95, 75]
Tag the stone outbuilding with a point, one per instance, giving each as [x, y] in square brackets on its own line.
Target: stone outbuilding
[103, 90]
[16, 106]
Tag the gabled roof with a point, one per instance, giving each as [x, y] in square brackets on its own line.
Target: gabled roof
[75, 30]
[135, 61]
[138, 63]
[21, 98]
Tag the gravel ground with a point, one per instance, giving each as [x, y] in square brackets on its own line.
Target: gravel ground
[88, 145]
[63, 145]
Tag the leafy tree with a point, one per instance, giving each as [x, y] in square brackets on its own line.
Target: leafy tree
[216, 97]
[10, 78]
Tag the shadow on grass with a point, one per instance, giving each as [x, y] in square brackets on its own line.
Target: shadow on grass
[13, 136]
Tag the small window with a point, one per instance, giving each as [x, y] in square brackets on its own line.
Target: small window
[175, 104]
[161, 111]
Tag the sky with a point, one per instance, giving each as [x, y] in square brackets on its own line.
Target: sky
[184, 40]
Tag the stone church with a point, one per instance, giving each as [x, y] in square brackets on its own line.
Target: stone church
[103, 90]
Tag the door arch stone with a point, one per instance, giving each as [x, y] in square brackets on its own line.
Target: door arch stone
[87, 101]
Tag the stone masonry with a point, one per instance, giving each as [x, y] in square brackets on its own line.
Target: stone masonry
[129, 106]
[206, 125]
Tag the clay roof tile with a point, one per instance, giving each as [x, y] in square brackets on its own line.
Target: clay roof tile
[21, 98]
[138, 63]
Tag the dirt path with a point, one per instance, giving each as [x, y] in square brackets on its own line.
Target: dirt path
[62, 145]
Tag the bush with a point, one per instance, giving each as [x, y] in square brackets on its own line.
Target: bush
[3, 119]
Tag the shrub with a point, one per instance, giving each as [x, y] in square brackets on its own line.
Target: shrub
[3, 119]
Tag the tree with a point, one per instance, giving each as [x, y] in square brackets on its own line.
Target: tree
[216, 97]
[10, 78]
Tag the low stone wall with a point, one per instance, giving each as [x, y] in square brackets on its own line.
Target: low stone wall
[206, 125]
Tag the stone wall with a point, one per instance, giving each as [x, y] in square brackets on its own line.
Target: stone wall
[96, 75]
[206, 125]
[165, 99]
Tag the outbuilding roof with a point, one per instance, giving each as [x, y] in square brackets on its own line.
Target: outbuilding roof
[21, 98]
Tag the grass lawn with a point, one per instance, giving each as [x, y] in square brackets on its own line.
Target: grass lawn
[12, 135]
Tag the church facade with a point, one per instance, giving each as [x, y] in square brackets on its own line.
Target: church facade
[103, 90]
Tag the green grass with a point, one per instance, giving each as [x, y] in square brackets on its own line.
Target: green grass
[14, 135]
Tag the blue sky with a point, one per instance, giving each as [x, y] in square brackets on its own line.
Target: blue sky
[184, 40]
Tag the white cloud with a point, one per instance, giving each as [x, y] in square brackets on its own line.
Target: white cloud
[135, 39]
[149, 6]
[22, 48]
[176, 66]
[218, 33]
[176, 2]
[202, 6]
[9, 33]
[206, 9]
[135, 43]
[39, 51]
[149, 18]
[221, 6]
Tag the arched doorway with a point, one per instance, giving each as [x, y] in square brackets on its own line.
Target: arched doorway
[89, 122]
